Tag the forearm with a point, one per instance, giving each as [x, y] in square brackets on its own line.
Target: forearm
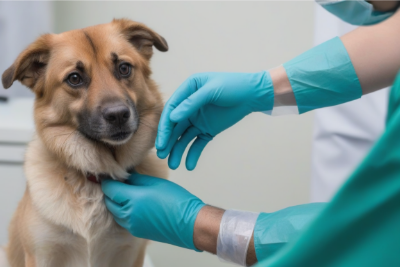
[206, 230]
[361, 62]
[374, 52]
[269, 231]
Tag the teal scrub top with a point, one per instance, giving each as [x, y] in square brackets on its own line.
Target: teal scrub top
[361, 225]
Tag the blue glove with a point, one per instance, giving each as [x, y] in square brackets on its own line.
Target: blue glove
[153, 208]
[323, 76]
[205, 105]
[275, 230]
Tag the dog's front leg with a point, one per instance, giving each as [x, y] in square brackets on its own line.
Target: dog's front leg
[30, 261]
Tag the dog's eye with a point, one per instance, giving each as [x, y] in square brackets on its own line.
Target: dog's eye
[74, 79]
[125, 69]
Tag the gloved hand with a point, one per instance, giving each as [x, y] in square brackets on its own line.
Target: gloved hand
[153, 208]
[205, 105]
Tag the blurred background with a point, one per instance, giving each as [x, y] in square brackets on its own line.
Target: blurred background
[261, 164]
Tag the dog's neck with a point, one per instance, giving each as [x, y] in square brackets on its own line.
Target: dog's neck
[93, 178]
[100, 177]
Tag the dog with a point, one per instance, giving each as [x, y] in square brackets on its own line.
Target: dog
[96, 113]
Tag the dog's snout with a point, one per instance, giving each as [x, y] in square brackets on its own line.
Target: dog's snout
[116, 115]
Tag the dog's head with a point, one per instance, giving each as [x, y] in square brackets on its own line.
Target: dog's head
[93, 82]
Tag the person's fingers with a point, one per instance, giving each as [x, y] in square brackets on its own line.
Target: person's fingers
[165, 128]
[165, 125]
[192, 104]
[123, 223]
[142, 179]
[116, 211]
[113, 207]
[177, 151]
[179, 129]
[195, 151]
[115, 190]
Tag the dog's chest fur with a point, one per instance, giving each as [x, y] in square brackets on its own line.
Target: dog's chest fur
[71, 214]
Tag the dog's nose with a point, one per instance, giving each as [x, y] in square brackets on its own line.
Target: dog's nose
[117, 115]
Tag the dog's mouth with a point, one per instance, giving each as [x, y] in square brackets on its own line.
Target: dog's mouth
[114, 138]
[118, 138]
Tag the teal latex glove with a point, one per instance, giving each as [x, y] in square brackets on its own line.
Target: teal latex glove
[275, 230]
[205, 105]
[323, 76]
[153, 208]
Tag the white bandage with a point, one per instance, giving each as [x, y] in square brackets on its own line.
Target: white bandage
[234, 236]
[284, 101]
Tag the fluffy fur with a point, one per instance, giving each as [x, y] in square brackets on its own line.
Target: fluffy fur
[61, 219]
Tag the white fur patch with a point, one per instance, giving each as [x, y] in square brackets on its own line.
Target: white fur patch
[76, 219]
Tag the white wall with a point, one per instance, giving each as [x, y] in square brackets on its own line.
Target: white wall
[262, 163]
[20, 24]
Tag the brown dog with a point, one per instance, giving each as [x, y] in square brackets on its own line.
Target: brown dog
[96, 114]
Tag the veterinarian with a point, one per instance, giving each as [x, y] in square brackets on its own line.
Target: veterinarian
[359, 227]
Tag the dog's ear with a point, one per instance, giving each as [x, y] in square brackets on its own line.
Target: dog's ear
[30, 65]
[141, 37]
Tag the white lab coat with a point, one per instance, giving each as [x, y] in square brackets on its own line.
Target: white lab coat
[343, 134]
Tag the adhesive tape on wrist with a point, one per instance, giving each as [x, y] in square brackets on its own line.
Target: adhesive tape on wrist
[284, 104]
[234, 236]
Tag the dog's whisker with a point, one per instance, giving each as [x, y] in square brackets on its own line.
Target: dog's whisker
[151, 127]
[61, 134]
[143, 121]
[153, 108]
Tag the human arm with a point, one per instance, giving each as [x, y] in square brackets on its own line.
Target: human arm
[272, 231]
[335, 72]
[374, 53]
[206, 230]
[160, 210]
